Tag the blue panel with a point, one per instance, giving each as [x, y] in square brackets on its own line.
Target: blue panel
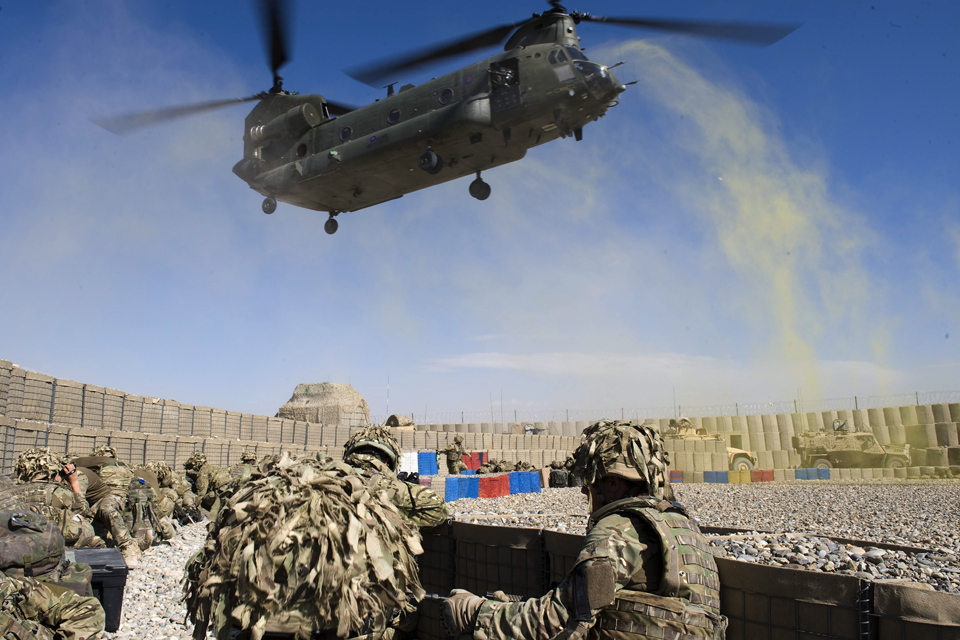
[427, 463]
[722, 477]
[468, 472]
[472, 486]
[708, 476]
[823, 474]
[534, 481]
[801, 474]
[514, 482]
[452, 491]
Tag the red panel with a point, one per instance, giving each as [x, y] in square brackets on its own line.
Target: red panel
[488, 487]
[756, 475]
[768, 475]
[472, 460]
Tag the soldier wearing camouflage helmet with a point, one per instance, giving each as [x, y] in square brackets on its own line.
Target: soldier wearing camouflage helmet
[454, 453]
[211, 484]
[644, 571]
[376, 450]
[42, 473]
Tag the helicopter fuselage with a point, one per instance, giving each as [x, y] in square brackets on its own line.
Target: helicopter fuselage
[479, 117]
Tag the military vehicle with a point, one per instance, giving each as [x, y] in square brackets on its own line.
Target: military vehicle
[326, 156]
[842, 448]
[683, 429]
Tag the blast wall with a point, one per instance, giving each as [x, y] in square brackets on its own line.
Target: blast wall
[760, 601]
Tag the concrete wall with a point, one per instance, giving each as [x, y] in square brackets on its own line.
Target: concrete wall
[760, 601]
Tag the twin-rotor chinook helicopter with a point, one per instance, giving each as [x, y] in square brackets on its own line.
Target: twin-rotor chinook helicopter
[314, 153]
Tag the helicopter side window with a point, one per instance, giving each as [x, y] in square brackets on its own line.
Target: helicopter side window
[552, 57]
[393, 117]
[345, 134]
[504, 74]
[446, 96]
[576, 54]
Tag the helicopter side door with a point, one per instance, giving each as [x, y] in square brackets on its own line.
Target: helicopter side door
[504, 85]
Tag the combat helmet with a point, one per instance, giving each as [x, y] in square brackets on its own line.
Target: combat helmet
[458, 439]
[163, 472]
[37, 465]
[627, 450]
[105, 451]
[377, 438]
[195, 461]
[249, 456]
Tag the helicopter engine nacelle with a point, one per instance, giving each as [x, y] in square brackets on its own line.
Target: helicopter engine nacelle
[294, 123]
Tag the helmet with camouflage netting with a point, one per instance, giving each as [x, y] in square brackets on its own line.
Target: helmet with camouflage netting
[195, 461]
[249, 456]
[458, 439]
[37, 465]
[626, 450]
[375, 440]
[163, 472]
[105, 451]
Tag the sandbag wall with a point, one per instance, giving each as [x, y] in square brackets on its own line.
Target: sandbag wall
[760, 601]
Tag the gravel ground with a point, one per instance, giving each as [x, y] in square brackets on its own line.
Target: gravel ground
[151, 598]
[917, 513]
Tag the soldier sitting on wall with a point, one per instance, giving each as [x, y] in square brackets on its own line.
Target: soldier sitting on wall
[644, 571]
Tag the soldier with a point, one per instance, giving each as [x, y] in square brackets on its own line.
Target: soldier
[455, 453]
[375, 450]
[107, 495]
[44, 471]
[243, 472]
[210, 483]
[644, 571]
[31, 609]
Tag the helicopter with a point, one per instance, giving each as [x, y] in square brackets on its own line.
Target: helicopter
[315, 153]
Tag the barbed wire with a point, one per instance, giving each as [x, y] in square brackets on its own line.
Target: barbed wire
[692, 411]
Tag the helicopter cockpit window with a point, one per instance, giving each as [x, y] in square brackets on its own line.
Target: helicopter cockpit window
[346, 133]
[561, 57]
[552, 57]
[596, 77]
[446, 96]
[393, 117]
[576, 54]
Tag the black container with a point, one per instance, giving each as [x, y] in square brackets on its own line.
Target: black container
[109, 578]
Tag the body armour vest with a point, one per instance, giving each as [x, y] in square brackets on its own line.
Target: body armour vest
[686, 606]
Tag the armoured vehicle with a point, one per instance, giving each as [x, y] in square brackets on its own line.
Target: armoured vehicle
[843, 448]
[738, 459]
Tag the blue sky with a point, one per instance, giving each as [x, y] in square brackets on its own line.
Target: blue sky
[747, 223]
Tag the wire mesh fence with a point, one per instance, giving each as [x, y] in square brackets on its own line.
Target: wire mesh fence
[797, 405]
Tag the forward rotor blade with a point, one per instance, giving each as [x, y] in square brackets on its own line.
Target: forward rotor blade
[274, 27]
[338, 108]
[373, 73]
[128, 122]
[750, 33]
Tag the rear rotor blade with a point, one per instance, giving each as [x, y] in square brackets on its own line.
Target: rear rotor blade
[373, 73]
[750, 33]
[338, 108]
[273, 25]
[128, 122]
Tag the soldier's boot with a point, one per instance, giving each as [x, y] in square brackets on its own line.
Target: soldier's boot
[145, 541]
[91, 541]
[131, 555]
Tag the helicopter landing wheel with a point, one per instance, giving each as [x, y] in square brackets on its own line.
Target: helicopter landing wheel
[269, 205]
[479, 189]
[331, 226]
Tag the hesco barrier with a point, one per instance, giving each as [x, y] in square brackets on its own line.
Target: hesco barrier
[760, 601]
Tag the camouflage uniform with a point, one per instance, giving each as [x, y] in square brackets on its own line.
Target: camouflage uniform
[455, 453]
[210, 483]
[375, 450]
[644, 571]
[39, 469]
[108, 498]
[48, 611]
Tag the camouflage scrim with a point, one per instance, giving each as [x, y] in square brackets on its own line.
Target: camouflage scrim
[105, 451]
[195, 462]
[377, 438]
[248, 456]
[37, 464]
[310, 546]
[626, 449]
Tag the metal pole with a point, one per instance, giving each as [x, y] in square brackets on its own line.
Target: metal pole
[795, 405]
[856, 405]
[917, 394]
[737, 406]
